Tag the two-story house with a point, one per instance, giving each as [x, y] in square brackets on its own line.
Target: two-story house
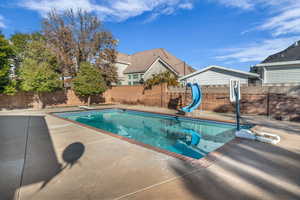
[140, 66]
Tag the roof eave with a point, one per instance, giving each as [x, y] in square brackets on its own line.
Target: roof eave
[219, 67]
[295, 62]
[122, 62]
[134, 72]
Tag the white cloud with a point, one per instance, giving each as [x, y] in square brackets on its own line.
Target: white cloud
[2, 24]
[284, 15]
[257, 52]
[243, 4]
[118, 10]
[251, 4]
[282, 23]
[169, 10]
[285, 21]
[186, 5]
[44, 6]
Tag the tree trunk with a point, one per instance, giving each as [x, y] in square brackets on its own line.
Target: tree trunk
[89, 101]
[63, 81]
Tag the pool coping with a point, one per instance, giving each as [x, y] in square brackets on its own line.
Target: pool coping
[204, 162]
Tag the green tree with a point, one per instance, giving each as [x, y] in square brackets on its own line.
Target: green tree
[25, 45]
[39, 78]
[12, 87]
[19, 42]
[37, 71]
[164, 77]
[89, 81]
[6, 56]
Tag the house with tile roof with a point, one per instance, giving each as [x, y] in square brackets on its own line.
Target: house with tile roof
[282, 67]
[132, 69]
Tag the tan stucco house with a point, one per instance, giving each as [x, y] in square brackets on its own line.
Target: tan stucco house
[142, 65]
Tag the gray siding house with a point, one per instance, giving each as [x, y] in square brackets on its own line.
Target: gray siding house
[282, 67]
[279, 72]
[217, 75]
[132, 69]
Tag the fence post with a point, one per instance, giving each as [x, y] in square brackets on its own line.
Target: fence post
[268, 104]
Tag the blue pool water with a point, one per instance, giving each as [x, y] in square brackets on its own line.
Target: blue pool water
[189, 137]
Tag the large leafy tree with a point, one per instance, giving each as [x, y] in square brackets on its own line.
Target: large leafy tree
[89, 81]
[78, 37]
[6, 56]
[23, 47]
[39, 50]
[38, 70]
[20, 42]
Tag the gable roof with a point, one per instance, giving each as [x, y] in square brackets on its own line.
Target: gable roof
[165, 63]
[292, 53]
[141, 61]
[221, 68]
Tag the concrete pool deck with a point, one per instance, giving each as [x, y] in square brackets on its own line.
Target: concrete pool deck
[43, 157]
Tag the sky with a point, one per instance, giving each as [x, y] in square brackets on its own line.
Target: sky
[230, 33]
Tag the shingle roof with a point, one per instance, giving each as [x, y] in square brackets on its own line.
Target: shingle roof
[141, 61]
[122, 57]
[291, 53]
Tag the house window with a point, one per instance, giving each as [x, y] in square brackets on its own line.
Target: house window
[135, 76]
[141, 75]
[129, 76]
[136, 83]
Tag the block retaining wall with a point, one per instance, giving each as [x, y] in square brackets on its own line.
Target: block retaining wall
[279, 102]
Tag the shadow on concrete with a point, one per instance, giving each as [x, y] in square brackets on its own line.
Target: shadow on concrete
[71, 156]
[290, 127]
[27, 154]
[249, 170]
[73, 153]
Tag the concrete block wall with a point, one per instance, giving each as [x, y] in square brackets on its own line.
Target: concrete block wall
[23, 100]
[279, 102]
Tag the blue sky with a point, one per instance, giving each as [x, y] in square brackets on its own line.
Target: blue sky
[230, 33]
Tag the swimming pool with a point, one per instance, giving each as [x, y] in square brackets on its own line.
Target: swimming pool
[190, 137]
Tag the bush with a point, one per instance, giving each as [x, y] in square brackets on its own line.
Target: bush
[89, 81]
